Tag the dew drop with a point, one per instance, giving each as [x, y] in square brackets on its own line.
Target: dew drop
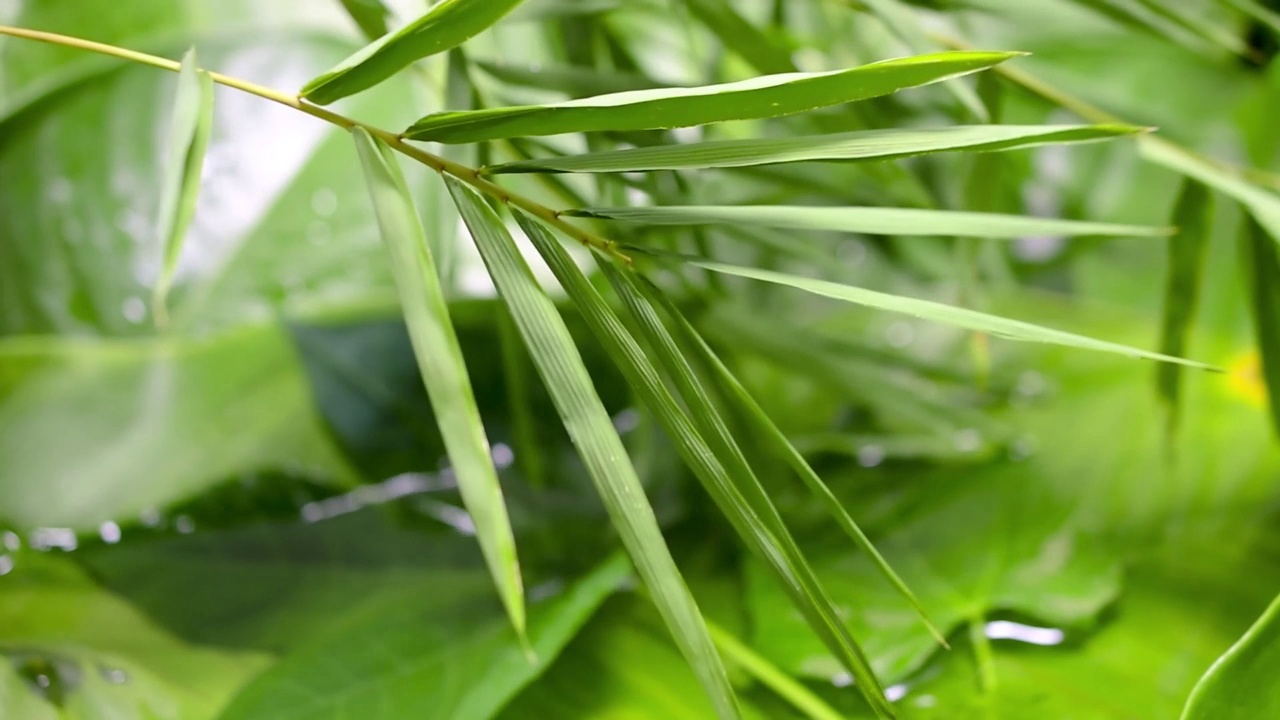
[843, 679]
[115, 676]
[184, 524]
[324, 202]
[502, 455]
[110, 532]
[894, 693]
[134, 310]
[12, 542]
[6, 564]
[870, 455]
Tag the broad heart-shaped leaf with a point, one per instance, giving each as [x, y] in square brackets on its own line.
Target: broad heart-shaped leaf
[937, 312]
[444, 372]
[457, 661]
[92, 431]
[99, 653]
[856, 145]
[188, 140]
[762, 97]
[868, 220]
[596, 439]
[994, 544]
[446, 25]
[1241, 685]
[621, 667]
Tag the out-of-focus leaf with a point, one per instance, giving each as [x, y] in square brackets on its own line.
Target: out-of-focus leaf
[1264, 204]
[994, 544]
[369, 15]
[761, 97]
[1257, 11]
[1193, 216]
[446, 25]
[1263, 268]
[97, 653]
[902, 22]
[459, 660]
[593, 434]
[189, 131]
[435, 343]
[532, 10]
[761, 51]
[571, 80]
[97, 431]
[1167, 21]
[939, 312]
[856, 145]
[868, 220]
[1241, 684]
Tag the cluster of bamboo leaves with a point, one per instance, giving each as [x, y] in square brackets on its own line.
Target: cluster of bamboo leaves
[673, 371]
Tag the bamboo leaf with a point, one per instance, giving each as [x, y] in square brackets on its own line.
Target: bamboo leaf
[593, 433]
[758, 522]
[857, 145]
[189, 130]
[1262, 203]
[1193, 216]
[369, 15]
[754, 529]
[903, 22]
[761, 97]
[1241, 685]
[757, 48]
[1262, 268]
[446, 25]
[787, 687]
[777, 443]
[443, 371]
[571, 80]
[868, 220]
[933, 311]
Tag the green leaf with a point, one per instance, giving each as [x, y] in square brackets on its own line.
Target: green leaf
[571, 80]
[399, 661]
[99, 654]
[443, 371]
[1193, 216]
[778, 445]
[188, 140]
[868, 220]
[857, 145]
[593, 433]
[753, 513]
[96, 431]
[1241, 684]
[762, 97]
[936, 312]
[761, 51]
[634, 674]
[764, 535]
[446, 25]
[1264, 204]
[903, 22]
[369, 15]
[1262, 268]
[990, 543]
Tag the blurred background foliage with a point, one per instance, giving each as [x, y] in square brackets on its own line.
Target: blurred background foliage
[248, 515]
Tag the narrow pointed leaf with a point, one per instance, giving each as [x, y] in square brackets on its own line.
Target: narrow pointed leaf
[446, 25]
[761, 97]
[868, 220]
[787, 687]
[443, 371]
[571, 80]
[1241, 685]
[756, 531]
[776, 442]
[936, 312]
[1193, 216]
[594, 435]
[1262, 203]
[857, 145]
[903, 22]
[189, 129]
[759, 50]
[1263, 267]
[1258, 12]
[764, 527]
[369, 15]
